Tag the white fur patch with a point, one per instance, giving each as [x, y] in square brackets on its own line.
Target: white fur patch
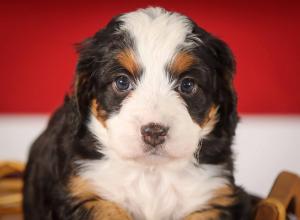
[155, 193]
[157, 34]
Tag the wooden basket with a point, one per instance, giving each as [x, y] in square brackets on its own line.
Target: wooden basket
[11, 184]
[283, 198]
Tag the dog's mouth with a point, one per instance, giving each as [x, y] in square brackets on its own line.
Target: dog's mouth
[157, 150]
[154, 156]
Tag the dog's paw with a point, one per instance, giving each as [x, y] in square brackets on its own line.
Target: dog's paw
[204, 215]
[106, 210]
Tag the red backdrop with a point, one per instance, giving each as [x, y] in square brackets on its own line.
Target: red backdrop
[37, 58]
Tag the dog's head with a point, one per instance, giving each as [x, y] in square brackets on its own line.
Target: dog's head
[152, 85]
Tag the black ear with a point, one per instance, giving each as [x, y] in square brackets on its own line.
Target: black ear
[224, 57]
[216, 52]
[83, 83]
[92, 52]
[220, 59]
[225, 93]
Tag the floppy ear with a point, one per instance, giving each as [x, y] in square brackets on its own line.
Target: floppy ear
[218, 56]
[221, 60]
[226, 95]
[83, 86]
[223, 54]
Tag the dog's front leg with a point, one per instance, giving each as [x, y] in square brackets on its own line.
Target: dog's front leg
[95, 207]
[212, 214]
[228, 203]
[105, 210]
[224, 197]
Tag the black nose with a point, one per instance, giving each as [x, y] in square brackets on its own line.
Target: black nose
[154, 134]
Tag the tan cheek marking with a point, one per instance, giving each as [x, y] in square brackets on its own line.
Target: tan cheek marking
[99, 113]
[182, 62]
[128, 60]
[99, 208]
[211, 117]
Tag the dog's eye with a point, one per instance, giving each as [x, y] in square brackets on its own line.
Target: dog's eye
[122, 84]
[188, 86]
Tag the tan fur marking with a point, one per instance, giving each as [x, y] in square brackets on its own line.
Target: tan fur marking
[80, 188]
[182, 62]
[100, 209]
[212, 214]
[223, 197]
[99, 113]
[211, 117]
[128, 60]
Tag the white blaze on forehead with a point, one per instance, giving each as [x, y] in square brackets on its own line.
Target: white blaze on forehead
[157, 34]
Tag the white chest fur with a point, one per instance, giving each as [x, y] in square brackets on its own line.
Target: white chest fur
[166, 192]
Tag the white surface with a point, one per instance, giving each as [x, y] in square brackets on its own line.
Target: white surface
[17, 132]
[264, 146]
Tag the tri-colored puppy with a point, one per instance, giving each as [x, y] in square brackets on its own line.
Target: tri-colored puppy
[146, 133]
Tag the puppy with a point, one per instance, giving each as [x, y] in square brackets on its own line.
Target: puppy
[147, 132]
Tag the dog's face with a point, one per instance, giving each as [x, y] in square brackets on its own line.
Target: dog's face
[152, 85]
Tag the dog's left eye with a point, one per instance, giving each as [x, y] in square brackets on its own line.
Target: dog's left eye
[122, 83]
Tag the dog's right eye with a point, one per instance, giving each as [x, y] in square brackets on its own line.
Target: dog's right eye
[188, 87]
[122, 84]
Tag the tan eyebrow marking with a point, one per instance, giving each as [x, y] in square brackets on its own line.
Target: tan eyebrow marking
[182, 62]
[128, 60]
